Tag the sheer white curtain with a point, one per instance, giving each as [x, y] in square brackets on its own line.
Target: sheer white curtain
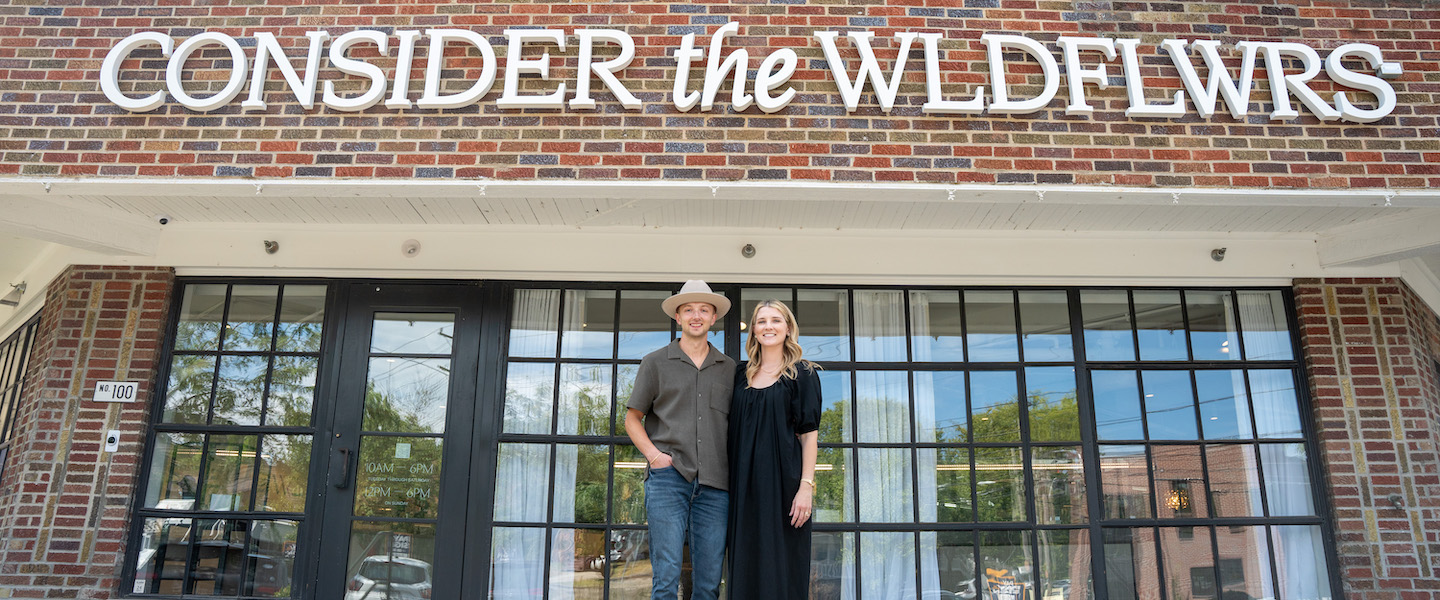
[1300, 553]
[925, 434]
[522, 480]
[533, 326]
[521, 490]
[567, 459]
[1262, 319]
[1240, 405]
[1287, 485]
[888, 561]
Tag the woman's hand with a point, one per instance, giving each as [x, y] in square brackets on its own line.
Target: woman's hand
[802, 505]
[661, 461]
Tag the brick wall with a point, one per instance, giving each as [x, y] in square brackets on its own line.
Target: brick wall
[1370, 348]
[64, 503]
[55, 122]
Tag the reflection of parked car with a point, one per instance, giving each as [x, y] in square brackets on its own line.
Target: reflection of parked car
[390, 578]
[625, 547]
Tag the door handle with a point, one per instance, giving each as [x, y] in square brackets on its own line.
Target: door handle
[344, 469]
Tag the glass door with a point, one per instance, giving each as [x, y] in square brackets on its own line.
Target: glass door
[399, 450]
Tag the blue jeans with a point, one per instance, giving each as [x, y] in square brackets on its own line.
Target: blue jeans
[675, 507]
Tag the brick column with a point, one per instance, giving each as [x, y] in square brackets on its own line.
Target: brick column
[1370, 348]
[64, 502]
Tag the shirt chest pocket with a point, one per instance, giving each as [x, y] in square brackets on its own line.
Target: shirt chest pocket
[720, 398]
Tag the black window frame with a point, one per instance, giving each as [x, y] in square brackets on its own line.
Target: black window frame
[1095, 523]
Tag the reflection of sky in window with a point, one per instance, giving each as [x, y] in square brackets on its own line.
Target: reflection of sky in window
[1117, 405]
[990, 392]
[1169, 405]
[643, 325]
[990, 326]
[413, 333]
[1160, 325]
[1224, 409]
[989, 389]
[636, 344]
[941, 395]
[417, 387]
[1212, 326]
[835, 394]
[587, 343]
[1108, 334]
[1047, 390]
[1051, 384]
[1046, 320]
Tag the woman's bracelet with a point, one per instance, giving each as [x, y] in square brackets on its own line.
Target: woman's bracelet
[651, 461]
[809, 481]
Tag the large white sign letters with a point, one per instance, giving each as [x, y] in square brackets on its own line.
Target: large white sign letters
[1082, 61]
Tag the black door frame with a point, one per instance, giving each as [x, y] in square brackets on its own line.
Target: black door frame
[341, 430]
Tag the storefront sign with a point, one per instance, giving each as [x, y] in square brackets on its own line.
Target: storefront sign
[1082, 59]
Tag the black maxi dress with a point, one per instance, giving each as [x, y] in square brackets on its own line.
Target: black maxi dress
[768, 557]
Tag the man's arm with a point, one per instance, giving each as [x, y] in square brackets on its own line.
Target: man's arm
[635, 428]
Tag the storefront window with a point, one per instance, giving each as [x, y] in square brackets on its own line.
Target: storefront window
[981, 444]
[225, 498]
[959, 431]
[569, 494]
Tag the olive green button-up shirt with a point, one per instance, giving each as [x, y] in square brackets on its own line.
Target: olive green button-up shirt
[687, 410]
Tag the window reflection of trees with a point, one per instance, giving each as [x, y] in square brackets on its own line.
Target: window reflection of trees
[233, 436]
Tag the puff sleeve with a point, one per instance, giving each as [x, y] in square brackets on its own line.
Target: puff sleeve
[805, 403]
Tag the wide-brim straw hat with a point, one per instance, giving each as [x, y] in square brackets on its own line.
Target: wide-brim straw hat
[696, 290]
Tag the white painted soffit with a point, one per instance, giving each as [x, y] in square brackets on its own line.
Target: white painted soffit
[117, 217]
[70, 211]
[338, 189]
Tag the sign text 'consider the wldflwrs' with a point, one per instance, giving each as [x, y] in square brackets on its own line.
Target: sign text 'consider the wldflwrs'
[1083, 60]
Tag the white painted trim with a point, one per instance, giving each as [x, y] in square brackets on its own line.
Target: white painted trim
[1382, 240]
[788, 256]
[63, 221]
[1422, 280]
[338, 189]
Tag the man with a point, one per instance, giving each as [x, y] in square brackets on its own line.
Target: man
[677, 416]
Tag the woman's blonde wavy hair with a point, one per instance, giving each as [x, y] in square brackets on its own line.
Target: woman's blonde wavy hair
[791, 351]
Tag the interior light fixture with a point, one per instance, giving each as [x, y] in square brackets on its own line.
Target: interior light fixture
[13, 298]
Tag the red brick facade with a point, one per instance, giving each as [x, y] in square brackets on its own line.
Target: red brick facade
[1371, 349]
[65, 503]
[54, 121]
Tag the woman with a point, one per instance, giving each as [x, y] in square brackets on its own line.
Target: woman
[774, 415]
